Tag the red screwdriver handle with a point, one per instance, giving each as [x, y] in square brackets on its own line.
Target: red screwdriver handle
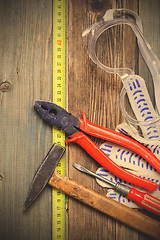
[145, 200]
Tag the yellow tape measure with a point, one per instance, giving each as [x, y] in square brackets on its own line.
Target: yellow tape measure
[58, 198]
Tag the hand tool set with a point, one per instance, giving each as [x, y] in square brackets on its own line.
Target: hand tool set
[46, 174]
[78, 130]
[146, 117]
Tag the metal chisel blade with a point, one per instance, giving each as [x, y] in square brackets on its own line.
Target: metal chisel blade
[44, 173]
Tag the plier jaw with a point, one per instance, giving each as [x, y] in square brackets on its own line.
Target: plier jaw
[57, 116]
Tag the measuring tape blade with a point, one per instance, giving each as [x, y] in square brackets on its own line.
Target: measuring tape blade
[58, 198]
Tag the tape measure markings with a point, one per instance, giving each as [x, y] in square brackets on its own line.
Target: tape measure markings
[58, 198]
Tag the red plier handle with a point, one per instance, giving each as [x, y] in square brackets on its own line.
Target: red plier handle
[76, 128]
[85, 142]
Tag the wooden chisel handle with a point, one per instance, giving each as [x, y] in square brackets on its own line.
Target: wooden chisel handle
[126, 215]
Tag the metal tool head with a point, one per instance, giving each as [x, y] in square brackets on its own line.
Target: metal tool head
[57, 116]
[44, 173]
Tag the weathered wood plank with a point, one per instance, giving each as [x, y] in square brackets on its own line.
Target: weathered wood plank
[149, 13]
[26, 62]
[97, 95]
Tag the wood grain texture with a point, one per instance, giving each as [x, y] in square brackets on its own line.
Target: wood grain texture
[25, 62]
[149, 12]
[97, 95]
[105, 205]
[26, 76]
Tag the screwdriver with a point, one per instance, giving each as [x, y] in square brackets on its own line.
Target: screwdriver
[143, 199]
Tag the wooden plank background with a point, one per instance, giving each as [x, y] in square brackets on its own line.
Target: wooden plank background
[26, 76]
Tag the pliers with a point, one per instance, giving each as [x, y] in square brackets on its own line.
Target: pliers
[78, 129]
